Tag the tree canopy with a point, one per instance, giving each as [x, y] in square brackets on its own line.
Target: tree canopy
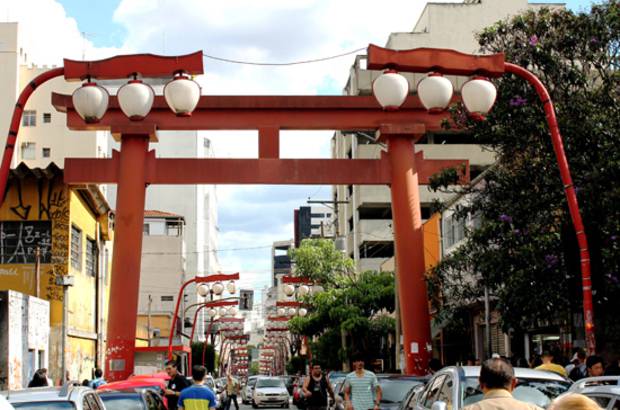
[525, 249]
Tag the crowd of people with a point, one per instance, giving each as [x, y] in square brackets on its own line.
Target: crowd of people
[363, 392]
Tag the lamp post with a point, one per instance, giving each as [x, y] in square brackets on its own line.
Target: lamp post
[435, 93]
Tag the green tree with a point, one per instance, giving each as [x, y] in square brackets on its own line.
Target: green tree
[525, 249]
[197, 350]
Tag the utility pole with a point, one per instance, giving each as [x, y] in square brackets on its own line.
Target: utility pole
[148, 320]
[65, 281]
[37, 271]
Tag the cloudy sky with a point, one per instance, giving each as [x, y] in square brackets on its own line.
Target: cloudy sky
[249, 30]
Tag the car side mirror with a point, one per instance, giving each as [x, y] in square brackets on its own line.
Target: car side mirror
[439, 405]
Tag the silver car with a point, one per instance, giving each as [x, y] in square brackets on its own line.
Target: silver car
[456, 387]
[248, 389]
[271, 392]
[69, 396]
[604, 390]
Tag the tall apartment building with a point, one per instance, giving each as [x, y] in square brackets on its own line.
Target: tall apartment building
[366, 219]
[313, 222]
[162, 275]
[280, 266]
[43, 135]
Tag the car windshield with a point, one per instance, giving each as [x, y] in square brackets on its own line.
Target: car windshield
[395, 390]
[269, 383]
[122, 402]
[48, 405]
[535, 391]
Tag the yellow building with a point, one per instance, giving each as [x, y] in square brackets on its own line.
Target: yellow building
[53, 235]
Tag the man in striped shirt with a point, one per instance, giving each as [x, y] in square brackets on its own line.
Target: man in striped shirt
[362, 390]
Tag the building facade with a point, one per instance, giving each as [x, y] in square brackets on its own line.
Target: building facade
[366, 218]
[43, 136]
[56, 243]
[161, 276]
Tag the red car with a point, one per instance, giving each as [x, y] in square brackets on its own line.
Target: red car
[136, 382]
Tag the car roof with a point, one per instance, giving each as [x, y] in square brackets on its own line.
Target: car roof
[133, 383]
[601, 385]
[66, 393]
[520, 373]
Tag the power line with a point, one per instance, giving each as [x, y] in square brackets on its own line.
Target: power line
[314, 60]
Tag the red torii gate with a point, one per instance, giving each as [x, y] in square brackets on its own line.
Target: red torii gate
[134, 167]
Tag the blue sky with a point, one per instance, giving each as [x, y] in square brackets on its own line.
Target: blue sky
[95, 18]
[263, 30]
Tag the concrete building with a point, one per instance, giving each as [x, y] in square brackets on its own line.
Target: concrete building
[366, 220]
[280, 266]
[161, 276]
[43, 136]
[313, 222]
[24, 338]
[72, 229]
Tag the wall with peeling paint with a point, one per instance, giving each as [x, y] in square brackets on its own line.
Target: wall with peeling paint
[24, 340]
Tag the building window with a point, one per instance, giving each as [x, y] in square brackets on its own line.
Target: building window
[207, 143]
[47, 117]
[167, 298]
[76, 248]
[29, 118]
[47, 152]
[91, 257]
[173, 228]
[28, 150]
[146, 229]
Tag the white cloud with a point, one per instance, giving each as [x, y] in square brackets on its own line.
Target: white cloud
[249, 30]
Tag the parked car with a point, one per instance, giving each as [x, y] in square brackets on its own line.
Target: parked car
[141, 399]
[394, 388]
[604, 390]
[410, 398]
[154, 383]
[456, 387]
[5, 405]
[247, 390]
[270, 392]
[70, 396]
[220, 392]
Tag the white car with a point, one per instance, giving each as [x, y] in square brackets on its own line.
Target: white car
[270, 392]
[69, 396]
[604, 390]
[456, 387]
[4, 405]
[247, 390]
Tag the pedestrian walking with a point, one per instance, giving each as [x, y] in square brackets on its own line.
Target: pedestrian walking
[548, 365]
[176, 384]
[198, 396]
[595, 366]
[316, 388]
[497, 381]
[577, 369]
[362, 390]
[98, 380]
[39, 379]
[232, 390]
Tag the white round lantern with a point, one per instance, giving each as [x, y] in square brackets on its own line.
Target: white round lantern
[230, 287]
[211, 312]
[390, 90]
[478, 95]
[289, 289]
[182, 95]
[90, 102]
[232, 311]
[303, 290]
[302, 312]
[203, 290]
[222, 311]
[435, 92]
[281, 311]
[292, 311]
[135, 99]
[218, 288]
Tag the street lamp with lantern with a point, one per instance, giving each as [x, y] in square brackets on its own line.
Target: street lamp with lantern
[478, 96]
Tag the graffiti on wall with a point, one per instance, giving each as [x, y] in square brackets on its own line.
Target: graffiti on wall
[20, 239]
